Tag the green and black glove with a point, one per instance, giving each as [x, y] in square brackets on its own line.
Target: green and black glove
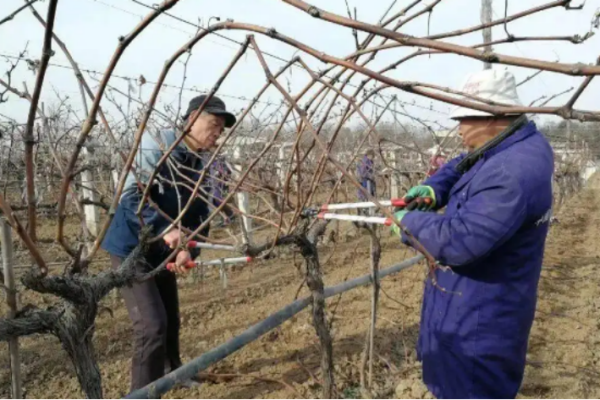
[421, 198]
[399, 215]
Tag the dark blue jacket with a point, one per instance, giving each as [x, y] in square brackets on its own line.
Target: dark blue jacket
[474, 332]
[184, 168]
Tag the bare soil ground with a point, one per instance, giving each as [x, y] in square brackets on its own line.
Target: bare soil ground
[564, 351]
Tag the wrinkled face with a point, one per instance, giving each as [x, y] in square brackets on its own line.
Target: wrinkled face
[473, 132]
[476, 132]
[205, 131]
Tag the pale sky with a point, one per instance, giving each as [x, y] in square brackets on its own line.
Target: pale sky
[91, 28]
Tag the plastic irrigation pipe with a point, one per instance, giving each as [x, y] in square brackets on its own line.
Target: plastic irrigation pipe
[356, 218]
[191, 369]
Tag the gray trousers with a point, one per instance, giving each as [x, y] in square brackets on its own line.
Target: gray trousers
[153, 308]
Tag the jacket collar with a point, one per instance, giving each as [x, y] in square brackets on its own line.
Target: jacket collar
[523, 133]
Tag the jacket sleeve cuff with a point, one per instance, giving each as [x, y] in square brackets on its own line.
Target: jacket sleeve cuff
[437, 193]
[409, 221]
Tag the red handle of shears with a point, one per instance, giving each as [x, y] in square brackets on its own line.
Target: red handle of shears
[401, 203]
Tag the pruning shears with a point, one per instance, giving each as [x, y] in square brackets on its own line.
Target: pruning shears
[400, 203]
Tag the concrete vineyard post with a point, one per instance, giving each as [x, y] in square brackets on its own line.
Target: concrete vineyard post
[11, 300]
[242, 197]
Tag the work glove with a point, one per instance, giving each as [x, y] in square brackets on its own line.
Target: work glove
[421, 198]
[395, 228]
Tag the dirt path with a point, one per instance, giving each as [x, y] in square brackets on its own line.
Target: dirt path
[562, 359]
[564, 351]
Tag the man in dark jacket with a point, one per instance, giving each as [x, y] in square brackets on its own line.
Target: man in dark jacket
[153, 305]
[498, 198]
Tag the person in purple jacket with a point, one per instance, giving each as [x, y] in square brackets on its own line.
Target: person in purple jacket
[220, 176]
[365, 172]
[498, 203]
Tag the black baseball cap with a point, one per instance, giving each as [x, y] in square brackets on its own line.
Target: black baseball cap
[215, 106]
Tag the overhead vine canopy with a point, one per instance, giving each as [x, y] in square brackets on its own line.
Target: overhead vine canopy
[293, 146]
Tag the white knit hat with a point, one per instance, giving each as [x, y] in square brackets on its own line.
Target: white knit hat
[492, 84]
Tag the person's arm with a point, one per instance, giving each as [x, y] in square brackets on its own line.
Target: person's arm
[486, 220]
[443, 181]
[360, 170]
[370, 170]
[145, 162]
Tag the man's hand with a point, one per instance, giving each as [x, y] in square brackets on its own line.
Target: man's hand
[183, 258]
[181, 261]
[172, 238]
[420, 198]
